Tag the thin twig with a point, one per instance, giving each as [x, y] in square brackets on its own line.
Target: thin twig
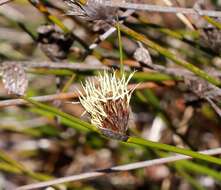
[61, 65]
[121, 168]
[110, 31]
[214, 106]
[170, 55]
[65, 96]
[2, 2]
[163, 9]
[181, 16]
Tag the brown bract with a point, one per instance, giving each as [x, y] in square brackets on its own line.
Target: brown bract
[115, 125]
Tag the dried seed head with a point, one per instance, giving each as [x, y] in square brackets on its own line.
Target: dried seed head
[211, 37]
[14, 78]
[142, 55]
[92, 10]
[107, 102]
[53, 42]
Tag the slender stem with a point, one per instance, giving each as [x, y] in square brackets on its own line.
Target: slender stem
[62, 114]
[190, 179]
[166, 147]
[110, 31]
[9, 168]
[126, 167]
[43, 9]
[68, 83]
[66, 96]
[120, 49]
[132, 140]
[181, 16]
[163, 9]
[213, 22]
[170, 55]
[54, 65]
[17, 166]
[57, 72]
[197, 168]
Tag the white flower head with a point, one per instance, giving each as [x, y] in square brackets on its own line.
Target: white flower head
[107, 101]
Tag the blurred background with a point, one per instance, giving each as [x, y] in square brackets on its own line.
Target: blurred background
[34, 33]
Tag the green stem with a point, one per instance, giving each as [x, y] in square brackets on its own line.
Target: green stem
[156, 77]
[19, 167]
[195, 184]
[170, 55]
[120, 49]
[9, 168]
[44, 71]
[4, 157]
[68, 83]
[62, 114]
[56, 21]
[40, 6]
[213, 22]
[166, 147]
[193, 167]
[132, 140]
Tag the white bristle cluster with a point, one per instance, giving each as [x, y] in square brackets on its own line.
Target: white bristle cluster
[97, 92]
